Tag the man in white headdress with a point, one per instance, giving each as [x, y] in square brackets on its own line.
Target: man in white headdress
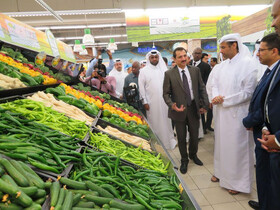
[143, 64]
[232, 84]
[150, 87]
[119, 74]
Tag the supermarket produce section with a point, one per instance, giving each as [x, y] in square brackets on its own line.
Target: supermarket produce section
[67, 145]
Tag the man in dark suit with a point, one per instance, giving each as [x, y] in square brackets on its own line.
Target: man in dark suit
[254, 121]
[269, 54]
[185, 94]
[205, 70]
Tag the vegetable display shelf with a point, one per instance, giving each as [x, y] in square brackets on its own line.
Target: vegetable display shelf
[104, 124]
[157, 146]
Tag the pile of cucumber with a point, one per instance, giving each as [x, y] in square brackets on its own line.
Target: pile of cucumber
[20, 186]
[77, 195]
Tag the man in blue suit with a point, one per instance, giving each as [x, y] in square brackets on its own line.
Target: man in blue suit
[269, 54]
[254, 121]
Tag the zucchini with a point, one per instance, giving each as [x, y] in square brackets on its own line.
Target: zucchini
[8, 188]
[55, 188]
[73, 184]
[14, 173]
[9, 180]
[102, 192]
[121, 205]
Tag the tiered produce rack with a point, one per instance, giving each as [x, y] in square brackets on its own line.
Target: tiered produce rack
[82, 146]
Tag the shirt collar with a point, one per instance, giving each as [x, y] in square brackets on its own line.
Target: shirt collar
[196, 62]
[273, 65]
[180, 70]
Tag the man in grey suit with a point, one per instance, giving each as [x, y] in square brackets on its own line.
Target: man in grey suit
[185, 94]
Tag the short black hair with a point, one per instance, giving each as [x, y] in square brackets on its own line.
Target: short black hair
[203, 55]
[214, 59]
[165, 60]
[178, 49]
[102, 67]
[272, 41]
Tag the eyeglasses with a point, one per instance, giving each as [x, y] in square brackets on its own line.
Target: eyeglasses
[260, 49]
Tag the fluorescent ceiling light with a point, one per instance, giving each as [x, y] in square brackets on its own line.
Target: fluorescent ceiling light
[96, 37]
[47, 7]
[81, 26]
[63, 12]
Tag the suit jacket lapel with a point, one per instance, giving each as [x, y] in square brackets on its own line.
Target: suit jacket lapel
[178, 77]
[277, 78]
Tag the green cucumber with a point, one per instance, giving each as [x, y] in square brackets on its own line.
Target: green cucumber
[73, 184]
[102, 192]
[9, 180]
[68, 201]
[8, 188]
[14, 173]
[34, 206]
[11, 206]
[85, 204]
[76, 198]
[40, 200]
[39, 194]
[61, 197]
[55, 188]
[29, 190]
[85, 192]
[98, 200]
[121, 205]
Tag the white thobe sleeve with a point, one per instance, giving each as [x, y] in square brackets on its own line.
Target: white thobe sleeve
[142, 87]
[213, 86]
[245, 94]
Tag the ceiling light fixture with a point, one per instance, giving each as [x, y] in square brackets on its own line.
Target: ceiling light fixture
[47, 7]
[96, 37]
[71, 27]
[63, 12]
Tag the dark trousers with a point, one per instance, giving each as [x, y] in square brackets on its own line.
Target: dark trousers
[192, 121]
[262, 171]
[274, 192]
[209, 118]
[203, 122]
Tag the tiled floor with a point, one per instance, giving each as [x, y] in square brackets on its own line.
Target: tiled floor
[210, 195]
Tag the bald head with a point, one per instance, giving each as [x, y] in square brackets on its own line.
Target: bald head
[135, 67]
[275, 13]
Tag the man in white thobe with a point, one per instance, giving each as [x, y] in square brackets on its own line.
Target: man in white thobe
[150, 87]
[230, 89]
[119, 74]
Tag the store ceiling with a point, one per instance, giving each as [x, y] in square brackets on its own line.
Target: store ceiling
[12, 6]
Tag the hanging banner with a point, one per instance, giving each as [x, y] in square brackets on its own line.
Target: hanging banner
[20, 34]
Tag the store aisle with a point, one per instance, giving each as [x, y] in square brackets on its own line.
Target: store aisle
[209, 195]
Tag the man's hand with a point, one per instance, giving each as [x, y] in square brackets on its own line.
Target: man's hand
[265, 133]
[210, 106]
[249, 129]
[202, 111]
[147, 107]
[109, 53]
[175, 108]
[218, 100]
[269, 143]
